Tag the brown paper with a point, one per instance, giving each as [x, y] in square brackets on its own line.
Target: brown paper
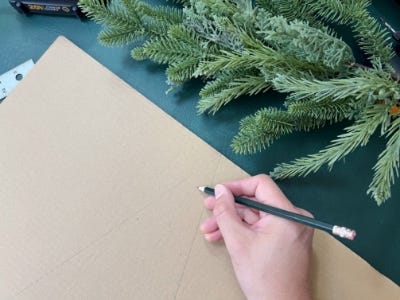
[99, 201]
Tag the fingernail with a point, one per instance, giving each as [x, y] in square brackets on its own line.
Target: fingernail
[219, 190]
[207, 237]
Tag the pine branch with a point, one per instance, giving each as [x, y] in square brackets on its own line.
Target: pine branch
[262, 57]
[297, 38]
[229, 86]
[178, 45]
[342, 12]
[327, 110]
[372, 38]
[160, 50]
[98, 11]
[291, 10]
[116, 36]
[356, 135]
[179, 72]
[127, 21]
[216, 27]
[371, 85]
[166, 14]
[258, 132]
[387, 167]
[122, 19]
[245, 47]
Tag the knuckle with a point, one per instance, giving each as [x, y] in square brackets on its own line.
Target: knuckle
[305, 212]
[263, 178]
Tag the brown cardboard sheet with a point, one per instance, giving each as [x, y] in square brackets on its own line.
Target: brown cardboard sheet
[98, 197]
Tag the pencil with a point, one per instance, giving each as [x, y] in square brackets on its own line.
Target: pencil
[340, 231]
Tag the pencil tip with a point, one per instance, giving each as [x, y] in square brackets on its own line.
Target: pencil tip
[201, 188]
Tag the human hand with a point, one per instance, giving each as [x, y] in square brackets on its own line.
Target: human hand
[270, 255]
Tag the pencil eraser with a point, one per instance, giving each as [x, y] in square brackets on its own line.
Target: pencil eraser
[344, 232]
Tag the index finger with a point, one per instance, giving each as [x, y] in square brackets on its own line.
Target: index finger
[262, 188]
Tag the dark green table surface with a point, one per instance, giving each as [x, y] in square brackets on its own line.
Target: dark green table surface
[337, 197]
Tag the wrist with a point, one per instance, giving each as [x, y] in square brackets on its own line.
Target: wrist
[290, 291]
[281, 296]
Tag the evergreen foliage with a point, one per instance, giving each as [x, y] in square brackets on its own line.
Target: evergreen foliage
[245, 47]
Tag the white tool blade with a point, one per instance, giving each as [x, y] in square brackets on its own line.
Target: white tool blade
[10, 79]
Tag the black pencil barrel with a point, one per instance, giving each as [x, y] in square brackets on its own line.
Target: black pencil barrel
[278, 212]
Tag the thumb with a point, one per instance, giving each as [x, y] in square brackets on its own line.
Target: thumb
[228, 220]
